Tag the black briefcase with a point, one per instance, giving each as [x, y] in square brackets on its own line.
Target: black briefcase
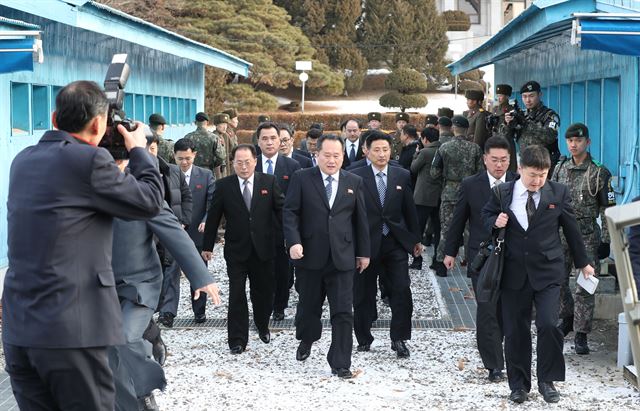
[490, 275]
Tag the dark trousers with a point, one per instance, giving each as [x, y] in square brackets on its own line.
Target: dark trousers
[432, 215]
[516, 317]
[199, 306]
[261, 281]
[282, 278]
[392, 264]
[313, 286]
[170, 294]
[489, 333]
[60, 379]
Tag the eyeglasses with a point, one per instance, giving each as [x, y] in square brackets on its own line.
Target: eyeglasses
[245, 163]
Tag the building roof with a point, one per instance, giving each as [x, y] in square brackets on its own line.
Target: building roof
[99, 18]
[543, 20]
[13, 24]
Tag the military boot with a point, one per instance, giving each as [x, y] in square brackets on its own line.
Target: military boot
[581, 345]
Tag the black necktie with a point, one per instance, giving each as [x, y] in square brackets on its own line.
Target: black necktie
[531, 206]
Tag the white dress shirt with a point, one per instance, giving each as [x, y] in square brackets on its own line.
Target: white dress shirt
[265, 165]
[519, 203]
[349, 143]
[249, 184]
[187, 174]
[492, 179]
[334, 185]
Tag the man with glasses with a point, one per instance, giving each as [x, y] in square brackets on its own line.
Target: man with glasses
[286, 146]
[201, 184]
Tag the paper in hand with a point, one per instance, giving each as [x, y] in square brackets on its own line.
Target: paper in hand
[589, 284]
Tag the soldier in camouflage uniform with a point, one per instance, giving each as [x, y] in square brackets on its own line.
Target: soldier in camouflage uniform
[590, 185]
[157, 124]
[477, 117]
[452, 162]
[538, 125]
[220, 121]
[498, 127]
[206, 145]
[231, 140]
[444, 128]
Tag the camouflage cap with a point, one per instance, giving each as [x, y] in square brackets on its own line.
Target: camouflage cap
[220, 118]
[445, 121]
[577, 130]
[474, 94]
[231, 112]
[445, 112]
[202, 116]
[460, 121]
[263, 118]
[374, 115]
[431, 119]
[157, 118]
[504, 89]
[530, 86]
[403, 116]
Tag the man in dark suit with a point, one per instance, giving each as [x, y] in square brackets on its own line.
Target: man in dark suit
[201, 184]
[393, 227]
[271, 162]
[533, 213]
[327, 233]
[353, 144]
[60, 307]
[312, 144]
[252, 206]
[286, 146]
[473, 194]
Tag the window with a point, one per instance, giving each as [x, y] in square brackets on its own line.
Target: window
[578, 105]
[565, 108]
[181, 111]
[20, 109]
[193, 111]
[611, 137]
[166, 109]
[54, 93]
[157, 104]
[138, 113]
[174, 111]
[40, 107]
[128, 104]
[594, 119]
[148, 107]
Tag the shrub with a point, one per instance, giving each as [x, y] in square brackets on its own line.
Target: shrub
[456, 20]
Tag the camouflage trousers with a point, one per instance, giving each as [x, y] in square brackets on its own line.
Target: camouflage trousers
[446, 214]
[581, 304]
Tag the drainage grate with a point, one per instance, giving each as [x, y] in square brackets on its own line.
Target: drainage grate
[183, 323]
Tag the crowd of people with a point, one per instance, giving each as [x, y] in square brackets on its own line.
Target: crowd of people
[97, 245]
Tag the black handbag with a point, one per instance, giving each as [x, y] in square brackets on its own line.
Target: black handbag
[490, 263]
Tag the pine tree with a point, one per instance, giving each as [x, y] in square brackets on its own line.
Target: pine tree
[406, 85]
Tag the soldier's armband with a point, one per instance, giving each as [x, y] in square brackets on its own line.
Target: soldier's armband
[607, 196]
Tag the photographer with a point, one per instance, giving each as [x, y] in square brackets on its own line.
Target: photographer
[537, 126]
[60, 308]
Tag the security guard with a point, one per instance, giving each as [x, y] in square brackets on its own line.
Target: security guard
[498, 127]
[402, 119]
[477, 117]
[231, 139]
[221, 120]
[158, 125]
[375, 120]
[445, 112]
[538, 125]
[589, 183]
[206, 145]
[454, 160]
[431, 121]
[444, 128]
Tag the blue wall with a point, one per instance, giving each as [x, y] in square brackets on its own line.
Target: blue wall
[597, 88]
[157, 81]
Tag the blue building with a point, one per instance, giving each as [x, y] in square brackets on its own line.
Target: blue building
[78, 39]
[584, 53]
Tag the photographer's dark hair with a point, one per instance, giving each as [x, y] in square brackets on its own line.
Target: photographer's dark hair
[496, 142]
[288, 127]
[249, 147]
[535, 156]
[329, 137]
[314, 133]
[184, 144]
[411, 131]
[431, 134]
[152, 139]
[375, 135]
[77, 103]
[267, 125]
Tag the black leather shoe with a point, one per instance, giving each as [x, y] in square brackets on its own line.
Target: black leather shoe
[148, 403]
[400, 348]
[237, 349]
[565, 325]
[166, 319]
[440, 269]
[416, 264]
[496, 375]
[200, 318]
[278, 315]
[343, 373]
[549, 392]
[303, 352]
[364, 347]
[265, 337]
[518, 396]
[433, 263]
[581, 345]
[159, 351]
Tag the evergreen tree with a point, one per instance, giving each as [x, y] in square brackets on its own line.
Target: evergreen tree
[406, 85]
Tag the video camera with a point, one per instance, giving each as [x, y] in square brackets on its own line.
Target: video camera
[114, 84]
[517, 112]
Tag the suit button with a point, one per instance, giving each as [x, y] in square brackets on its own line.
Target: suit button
[526, 253]
[526, 238]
